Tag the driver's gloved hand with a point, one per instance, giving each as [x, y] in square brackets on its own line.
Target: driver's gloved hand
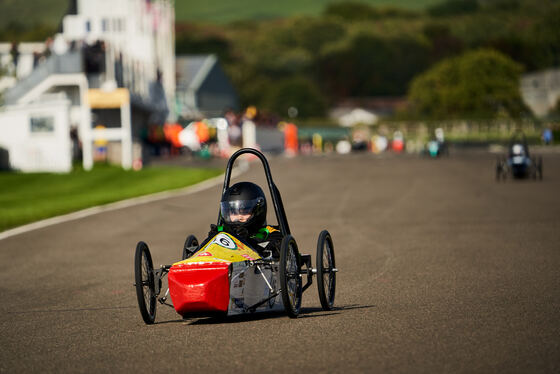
[242, 232]
[213, 230]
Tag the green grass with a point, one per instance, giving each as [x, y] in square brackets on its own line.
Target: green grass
[223, 11]
[32, 12]
[30, 197]
[50, 12]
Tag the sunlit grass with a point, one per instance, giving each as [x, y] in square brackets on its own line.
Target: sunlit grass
[30, 197]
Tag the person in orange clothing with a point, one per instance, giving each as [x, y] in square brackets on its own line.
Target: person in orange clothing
[172, 131]
[291, 139]
[202, 132]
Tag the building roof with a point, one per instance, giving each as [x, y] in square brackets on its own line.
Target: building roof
[191, 70]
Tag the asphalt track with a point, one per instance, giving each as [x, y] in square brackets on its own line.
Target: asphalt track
[441, 270]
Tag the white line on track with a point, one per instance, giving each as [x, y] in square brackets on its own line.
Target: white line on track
[209, 183]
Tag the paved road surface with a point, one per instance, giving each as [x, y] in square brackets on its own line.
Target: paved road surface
[441, 270]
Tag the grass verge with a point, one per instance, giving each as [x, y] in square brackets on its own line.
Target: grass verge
[30, 197]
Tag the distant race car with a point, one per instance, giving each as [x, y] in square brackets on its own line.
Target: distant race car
[437, 149]
[225, 276]
[518, 163]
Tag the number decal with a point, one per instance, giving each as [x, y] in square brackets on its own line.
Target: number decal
[224, 241]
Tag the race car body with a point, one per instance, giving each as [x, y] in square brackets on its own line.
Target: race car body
[518, 163]
[224, 276]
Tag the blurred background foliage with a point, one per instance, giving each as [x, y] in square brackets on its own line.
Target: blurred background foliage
[354, 49]
[482, 83]
[317, 53]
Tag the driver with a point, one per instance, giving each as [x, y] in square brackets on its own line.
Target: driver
[243, 211]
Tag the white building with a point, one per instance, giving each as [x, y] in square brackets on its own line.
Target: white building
[40, 139]
[541, 90]
[120, 49]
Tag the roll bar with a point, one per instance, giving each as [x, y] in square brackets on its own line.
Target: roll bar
[274, 193]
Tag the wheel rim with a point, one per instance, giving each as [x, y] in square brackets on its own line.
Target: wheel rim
[326, 270]
[145, 283]
[328, 274]
[148, 284]
[189, 243]
[293, 279]
[290, 278]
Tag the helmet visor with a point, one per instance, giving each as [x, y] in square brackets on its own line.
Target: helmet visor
[238, 211]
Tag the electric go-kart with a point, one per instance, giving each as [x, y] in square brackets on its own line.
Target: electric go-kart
[518, 163]
[224, 276]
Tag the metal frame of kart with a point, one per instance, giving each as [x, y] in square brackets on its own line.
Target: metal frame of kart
[275, 194]
[305, 260]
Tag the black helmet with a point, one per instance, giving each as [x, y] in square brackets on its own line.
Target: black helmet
[244, 205]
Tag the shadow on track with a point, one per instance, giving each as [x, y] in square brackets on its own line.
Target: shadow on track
[304, 313]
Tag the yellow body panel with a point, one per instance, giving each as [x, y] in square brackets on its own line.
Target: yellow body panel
[222, 248]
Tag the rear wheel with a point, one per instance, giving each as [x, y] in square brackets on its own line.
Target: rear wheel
[190, 247]
[290, 278]
[326, 270]
[144, 282]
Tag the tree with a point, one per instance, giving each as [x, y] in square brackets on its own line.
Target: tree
[352, 11]
[453, 7]
[478, 84]
[366, 64]
[297, 92]
[546, 35]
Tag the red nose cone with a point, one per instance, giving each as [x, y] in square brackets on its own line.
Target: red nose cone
[199, 287]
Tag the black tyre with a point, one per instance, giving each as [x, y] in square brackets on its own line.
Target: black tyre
[190, 247]
[326, 270]
[540, 168]
[144, 282]
[290, 278]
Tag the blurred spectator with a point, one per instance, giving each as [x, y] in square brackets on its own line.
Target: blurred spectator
[48, 47]
[94, 56]
[202, 132]
[234, 131]
[76, 144]
[547, 137]
[290, 139]
[14, 52]
[158, 100]
[172, 131]
[119, 76]
[36, 59]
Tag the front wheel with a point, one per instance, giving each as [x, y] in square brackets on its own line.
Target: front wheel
[326, 270]
[145, 283]
[190, 247]
[290, 278]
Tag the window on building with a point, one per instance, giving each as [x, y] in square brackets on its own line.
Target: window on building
[42, 124]
[104, 25]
